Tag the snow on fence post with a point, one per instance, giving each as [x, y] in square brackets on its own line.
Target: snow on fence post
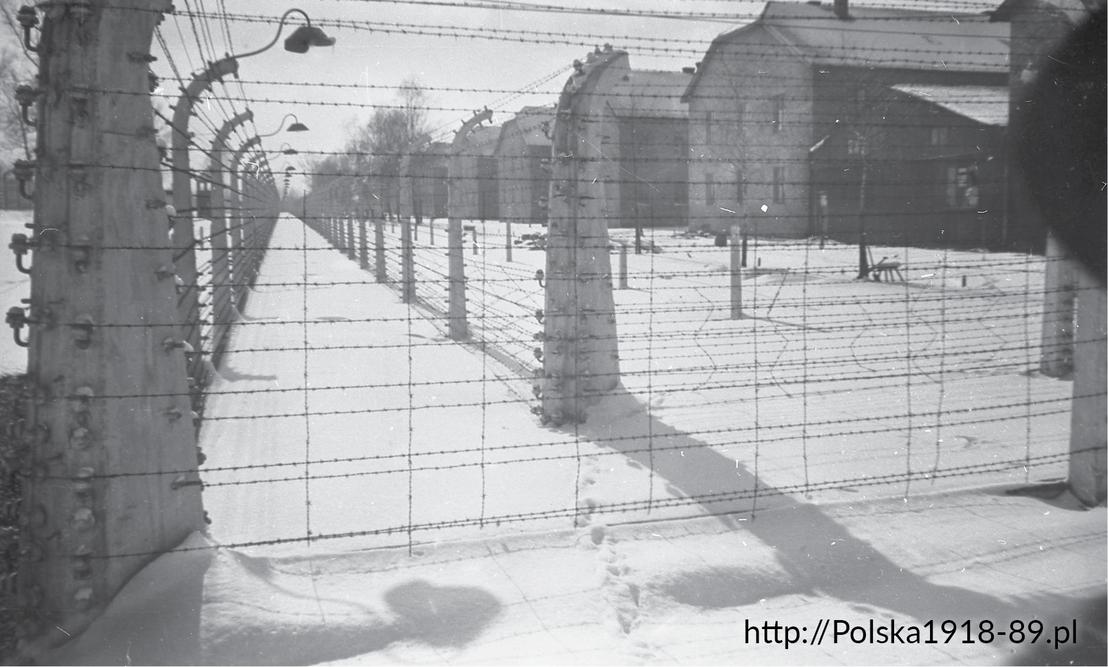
[738, 248]
[580, 351]
[456, 315]
[110, 401]
[407, 263]
[1059, 292]
[379, 272]
[1088, 431]
[363, 249]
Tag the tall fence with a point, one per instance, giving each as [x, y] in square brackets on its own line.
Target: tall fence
[717, 335]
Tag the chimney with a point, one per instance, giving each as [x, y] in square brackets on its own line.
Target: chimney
[842, 9]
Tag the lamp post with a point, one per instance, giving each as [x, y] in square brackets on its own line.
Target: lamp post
[300, 41]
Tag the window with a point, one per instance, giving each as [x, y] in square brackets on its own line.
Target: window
[940, 136]
[778, 185]
[855, 145]
[778, 112]
[961, 187]
[708, 127]
[709, 190]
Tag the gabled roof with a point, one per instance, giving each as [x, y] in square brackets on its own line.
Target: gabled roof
[987, 105]
[878, 38]
[649, 93]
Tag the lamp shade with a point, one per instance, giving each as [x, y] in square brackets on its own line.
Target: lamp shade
[307, 36]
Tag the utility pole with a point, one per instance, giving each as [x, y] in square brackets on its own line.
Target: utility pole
[580, 354]
[110, 407]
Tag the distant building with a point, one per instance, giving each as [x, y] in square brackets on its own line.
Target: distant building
[641, 131]
[523, 160]
[423, 184]
[653, 148]
[780, 101]
[923, 165]
[477, 187]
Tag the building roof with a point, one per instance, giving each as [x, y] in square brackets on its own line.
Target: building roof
[987, 105]
[650, 93]
[482, 140]
[878, 38]
[534, 123]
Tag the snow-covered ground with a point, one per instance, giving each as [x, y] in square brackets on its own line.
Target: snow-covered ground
[382, 494]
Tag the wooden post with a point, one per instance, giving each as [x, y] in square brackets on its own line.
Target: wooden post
[623, 264]
[456, 315]
[508, 241]
[1057, 354]
[363, 245]
[350, 247]
[380, 274]
[1088, 432]
[580, 353]
[738, 244]
[407, 280]
[110, 408]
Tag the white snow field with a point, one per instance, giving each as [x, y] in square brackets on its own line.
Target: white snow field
[381, 494]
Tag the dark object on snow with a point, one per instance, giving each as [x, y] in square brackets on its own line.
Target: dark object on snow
[1060, 143]
[721, 239]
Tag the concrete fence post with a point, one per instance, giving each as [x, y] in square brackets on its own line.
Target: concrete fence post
[738, 245]
[1088, 432]
[110, 406]
[1059, 278]
[457, 324]
[580, 353]
[380, 275]
[508, 241]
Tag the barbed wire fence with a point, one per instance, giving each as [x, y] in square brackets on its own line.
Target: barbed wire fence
[662, 371]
